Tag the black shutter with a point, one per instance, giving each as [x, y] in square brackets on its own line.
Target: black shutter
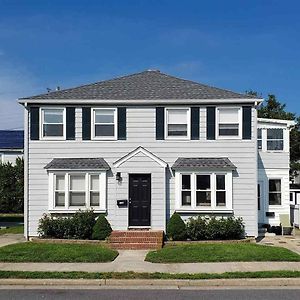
[211, 123]
[195, 123]
[86, 123]
[160, 123]
[70, 120]
[121, 123]
[34, 123]
[247, 122]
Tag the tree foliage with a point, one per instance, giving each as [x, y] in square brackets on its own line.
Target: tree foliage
[12, 187]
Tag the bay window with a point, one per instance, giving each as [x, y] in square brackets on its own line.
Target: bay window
[70, 191]
[177, 123]
[52, 123]
[203, 191]
[104, 123]
[229, 122]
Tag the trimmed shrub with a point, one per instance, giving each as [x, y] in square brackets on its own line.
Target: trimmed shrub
[201, 228]
[176, 228]
[101, 229]
[79, 226]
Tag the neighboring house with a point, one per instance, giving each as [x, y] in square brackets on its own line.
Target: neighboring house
[11, 145]
[273, 169]
[142, 146]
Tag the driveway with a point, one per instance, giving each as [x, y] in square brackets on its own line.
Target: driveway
[7, 239]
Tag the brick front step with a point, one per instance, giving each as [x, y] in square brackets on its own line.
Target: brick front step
[134, 246]
[137, 239]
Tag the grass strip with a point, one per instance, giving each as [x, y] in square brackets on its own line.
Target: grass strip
[227, 252]
[12, 230]
[133, 275]
[49, 252]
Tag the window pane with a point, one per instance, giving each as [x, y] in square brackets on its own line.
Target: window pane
[275, 198]
[53, 130]
[274, 185]
[275, 145]
[220, 182]
[178, 116]
[95, 182]
[77, 198]
[177, 130]
[203, 182]
[94, 198]
[203, 198]
[53, 115]
[228, 115]
[59, 199]
[228, 129]
[186, 198]
[104, 116]
[275, 133]
[259, 144]
[60, 182]
[77, 182]
[221, 198]
[104, 130]
[259, 131]
[186, 182]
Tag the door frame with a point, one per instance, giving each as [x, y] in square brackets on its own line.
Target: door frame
[150, 202]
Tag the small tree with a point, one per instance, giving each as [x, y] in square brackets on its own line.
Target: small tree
[176, 228]
[101, 229]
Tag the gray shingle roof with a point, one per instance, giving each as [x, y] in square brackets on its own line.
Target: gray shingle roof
[78, 164]
[147, 85]
[203, 162]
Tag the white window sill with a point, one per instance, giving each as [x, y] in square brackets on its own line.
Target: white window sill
[71, 211]
[226, 211]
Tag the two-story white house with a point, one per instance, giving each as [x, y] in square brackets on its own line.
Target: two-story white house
[143, 146]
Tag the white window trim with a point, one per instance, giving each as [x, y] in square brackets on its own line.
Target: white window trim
[283, 140]
[213, 208]
[67, 208]
[188, 137]
[240, 121]
[52, 138]
[104, 138]
[264, 135]
[281, 192]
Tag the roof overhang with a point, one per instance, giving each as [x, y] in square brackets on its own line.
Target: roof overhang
[129, 102]
[288, 123]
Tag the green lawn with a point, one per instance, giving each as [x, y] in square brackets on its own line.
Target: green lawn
[14, 230]
[133, 275]
[51, 252]
[220, 253]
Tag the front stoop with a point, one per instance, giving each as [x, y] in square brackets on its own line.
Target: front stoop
[136, 239]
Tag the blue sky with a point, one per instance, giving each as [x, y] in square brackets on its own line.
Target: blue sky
[238, 45]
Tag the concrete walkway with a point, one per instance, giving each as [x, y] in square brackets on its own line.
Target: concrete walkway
[133, 260]
[7, 239]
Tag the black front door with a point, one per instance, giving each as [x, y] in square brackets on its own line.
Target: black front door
[139, 199]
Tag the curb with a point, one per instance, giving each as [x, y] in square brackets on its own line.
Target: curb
[136, 283]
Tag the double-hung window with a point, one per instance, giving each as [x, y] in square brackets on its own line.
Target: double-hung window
[177, 123]
[53, 123]
[203, 191]
[274, 191]
[104, 123]
[70, 191]
[275, 139]
[229, 122]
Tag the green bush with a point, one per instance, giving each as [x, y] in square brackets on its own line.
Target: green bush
[176, 228]
[101, 229]
[12, 187]
[201, 228]
[79, 226]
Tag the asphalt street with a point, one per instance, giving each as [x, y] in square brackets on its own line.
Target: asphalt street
[122, 294]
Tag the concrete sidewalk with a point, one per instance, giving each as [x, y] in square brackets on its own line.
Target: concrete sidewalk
[133, 260]
[9, 238]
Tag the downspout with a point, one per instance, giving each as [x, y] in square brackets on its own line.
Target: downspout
[26, 145]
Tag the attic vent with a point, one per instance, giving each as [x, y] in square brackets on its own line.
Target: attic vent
[151, 70]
